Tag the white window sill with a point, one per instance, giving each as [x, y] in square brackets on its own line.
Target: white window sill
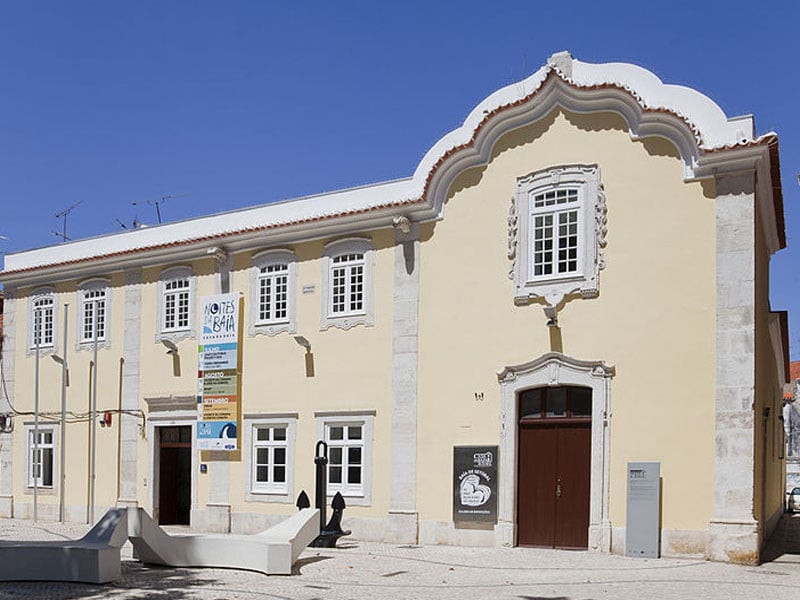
[269, 497]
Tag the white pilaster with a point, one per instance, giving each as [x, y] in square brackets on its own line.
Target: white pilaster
[402, 520]
[733, 530]
[128, 420]
[6, 453]
[217, 514]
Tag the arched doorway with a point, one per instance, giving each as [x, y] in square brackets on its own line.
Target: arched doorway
[554, 466]
[552, 371]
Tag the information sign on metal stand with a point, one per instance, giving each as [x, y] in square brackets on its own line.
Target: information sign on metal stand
[642, 532]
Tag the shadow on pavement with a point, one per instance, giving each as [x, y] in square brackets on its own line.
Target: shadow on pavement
[784, 544]
[302, 562]
[149, 582]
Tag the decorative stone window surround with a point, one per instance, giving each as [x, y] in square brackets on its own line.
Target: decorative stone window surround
[251, 422]
[365, 419]
[591, 207]
[556, 369]
[349, 319]
[260, 261]
[38, 295]
[175, 335]
[83, 288]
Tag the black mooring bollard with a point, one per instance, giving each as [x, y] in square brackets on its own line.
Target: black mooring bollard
[321, 460]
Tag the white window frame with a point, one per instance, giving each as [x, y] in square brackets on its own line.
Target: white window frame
[43, 295]
[270, 492]
[264, 260]
[348, 318]
[590, 204]
[90, 287]
[44, 428]
[176, 333]
[356, 494]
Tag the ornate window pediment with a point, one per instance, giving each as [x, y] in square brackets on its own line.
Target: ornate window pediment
[557, 233]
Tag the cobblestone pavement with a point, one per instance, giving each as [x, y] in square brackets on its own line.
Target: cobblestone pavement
[374, 571]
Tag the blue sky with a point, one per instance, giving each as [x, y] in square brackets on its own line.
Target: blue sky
[230, 104]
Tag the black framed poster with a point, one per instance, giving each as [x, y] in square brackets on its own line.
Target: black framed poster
[475, 484]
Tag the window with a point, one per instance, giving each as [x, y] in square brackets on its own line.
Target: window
[273, 284]
[93, 309]
[269, 458]
[176, 313]
[347, 281]
[347, 284]
[555, 216]
[176, 304]
[270, 439]
[557, 229]
[42, 319]
[40, 460]
[349, 439]
[345, 457]
[564, 402]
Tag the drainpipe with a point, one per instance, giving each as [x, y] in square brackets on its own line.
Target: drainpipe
[88, 474]
[37, 459]
[63, 440]
[119, 425]
[93, 428]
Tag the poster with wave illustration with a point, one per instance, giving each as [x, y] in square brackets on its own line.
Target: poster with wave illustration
[475, 484]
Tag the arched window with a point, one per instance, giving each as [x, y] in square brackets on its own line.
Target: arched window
[93, 309]
[42, 319]
[347, 275]
[272, 283]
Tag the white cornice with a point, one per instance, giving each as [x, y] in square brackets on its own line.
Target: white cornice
[707, 140]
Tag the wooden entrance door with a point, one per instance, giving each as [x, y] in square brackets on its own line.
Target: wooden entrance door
[554, 465]
[175, 475]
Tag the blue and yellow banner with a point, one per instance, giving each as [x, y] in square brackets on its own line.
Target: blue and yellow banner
[218, 373]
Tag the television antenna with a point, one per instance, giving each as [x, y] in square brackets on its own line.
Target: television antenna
[63, 215]
[157, 202]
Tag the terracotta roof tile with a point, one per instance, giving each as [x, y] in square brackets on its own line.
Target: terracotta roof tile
[794, 370]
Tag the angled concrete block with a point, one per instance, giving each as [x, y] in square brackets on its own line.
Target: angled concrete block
[95, 558]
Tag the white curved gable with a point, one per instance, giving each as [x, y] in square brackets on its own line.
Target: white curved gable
[693, 122]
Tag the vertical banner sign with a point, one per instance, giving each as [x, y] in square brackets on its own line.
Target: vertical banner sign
[218, 373]
[475, 484]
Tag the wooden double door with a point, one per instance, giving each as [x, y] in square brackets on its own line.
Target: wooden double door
[554, 477]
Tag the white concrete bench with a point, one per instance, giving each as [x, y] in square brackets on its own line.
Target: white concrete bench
[272, 552]
[95, 558]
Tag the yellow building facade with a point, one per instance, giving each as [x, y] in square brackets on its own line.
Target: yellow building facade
[574, 280]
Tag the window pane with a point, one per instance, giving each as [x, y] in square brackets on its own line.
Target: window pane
[262, 474]
[262, 456]
[354, 432]
[581, 402]
[354, 456]
[556, 402]
[336, 433]
[354, 475]
[279, 434]
[335, 474]
[530, 403]
[262, 434]
[335, 456]
[280, 456]
[280, 475]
